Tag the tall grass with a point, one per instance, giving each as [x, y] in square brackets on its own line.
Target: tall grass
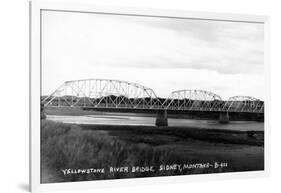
[66, 146]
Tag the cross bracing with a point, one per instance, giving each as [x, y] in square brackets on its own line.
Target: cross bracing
[106, 93]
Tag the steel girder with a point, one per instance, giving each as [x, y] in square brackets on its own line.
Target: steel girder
[106, 93]
[103, 93]
[243, 104]
[193, 100]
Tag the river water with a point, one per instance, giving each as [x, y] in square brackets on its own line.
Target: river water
[134, 119]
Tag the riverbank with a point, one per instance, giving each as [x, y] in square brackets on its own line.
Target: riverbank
[79, 111]
[72, 146]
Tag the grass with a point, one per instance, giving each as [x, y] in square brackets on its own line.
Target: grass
[73, 146]
[156, 136]
[68, 146]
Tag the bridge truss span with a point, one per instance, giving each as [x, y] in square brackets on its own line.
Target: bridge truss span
[193, 100]
[243, 104]
[117, 94]
[103, 93]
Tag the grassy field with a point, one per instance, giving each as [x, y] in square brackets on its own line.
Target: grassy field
[70, 146]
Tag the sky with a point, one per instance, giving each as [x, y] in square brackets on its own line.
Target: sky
[165, 54]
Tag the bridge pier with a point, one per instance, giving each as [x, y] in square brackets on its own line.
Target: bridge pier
[161, 118]
[224, 117]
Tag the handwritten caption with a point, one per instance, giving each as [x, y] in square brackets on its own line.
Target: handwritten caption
[142, 169]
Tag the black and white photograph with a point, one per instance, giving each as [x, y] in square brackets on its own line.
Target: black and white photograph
[133, 96]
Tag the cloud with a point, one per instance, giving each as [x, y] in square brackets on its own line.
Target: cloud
[130, 41]
[225, 47]
[94, 45]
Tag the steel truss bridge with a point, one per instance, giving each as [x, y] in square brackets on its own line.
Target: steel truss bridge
[116, 94]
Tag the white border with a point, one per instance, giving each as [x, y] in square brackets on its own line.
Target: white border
[35, 78]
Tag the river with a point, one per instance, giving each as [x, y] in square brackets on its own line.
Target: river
[134, 119]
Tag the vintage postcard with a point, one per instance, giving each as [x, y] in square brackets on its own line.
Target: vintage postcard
[132, 96]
